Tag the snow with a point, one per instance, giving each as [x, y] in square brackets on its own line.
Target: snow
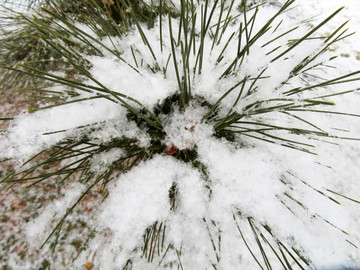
[102, 161]
[140, 198]
[147, 87]
[27, 135]
[39, 226]
[251, 181]
[185, 130]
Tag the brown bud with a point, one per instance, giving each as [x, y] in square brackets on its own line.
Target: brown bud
[170, 150]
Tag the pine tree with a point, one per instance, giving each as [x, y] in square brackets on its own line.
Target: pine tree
[188, 117]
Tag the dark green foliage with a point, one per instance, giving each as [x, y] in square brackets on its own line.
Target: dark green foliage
[28, 45]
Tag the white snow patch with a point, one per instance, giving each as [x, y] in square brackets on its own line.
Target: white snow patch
[39, 228]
